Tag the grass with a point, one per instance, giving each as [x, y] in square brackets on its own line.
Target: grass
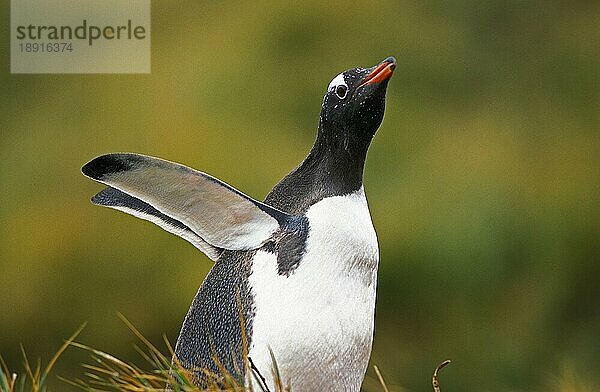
[35, 377]
[108, 373]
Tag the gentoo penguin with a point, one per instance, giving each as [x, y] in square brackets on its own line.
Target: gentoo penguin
[295, 276]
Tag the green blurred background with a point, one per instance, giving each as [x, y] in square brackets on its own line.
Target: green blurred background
[483, 180]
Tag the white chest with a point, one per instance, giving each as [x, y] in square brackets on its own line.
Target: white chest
[319, 320]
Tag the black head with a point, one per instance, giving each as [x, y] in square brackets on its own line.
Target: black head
[354, 104]
[352, 111]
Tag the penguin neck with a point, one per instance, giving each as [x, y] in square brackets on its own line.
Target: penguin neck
[334, 167]
[337, 161]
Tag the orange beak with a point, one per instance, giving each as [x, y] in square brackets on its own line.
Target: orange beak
[382, 72]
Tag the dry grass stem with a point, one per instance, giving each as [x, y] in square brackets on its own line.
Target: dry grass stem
[435, 382]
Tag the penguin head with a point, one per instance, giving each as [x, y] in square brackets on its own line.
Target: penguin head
[354, 103]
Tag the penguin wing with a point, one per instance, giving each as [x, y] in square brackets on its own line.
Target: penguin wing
[194, 205]
[114, 198]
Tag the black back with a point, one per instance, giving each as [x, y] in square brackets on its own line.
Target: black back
[211, 335]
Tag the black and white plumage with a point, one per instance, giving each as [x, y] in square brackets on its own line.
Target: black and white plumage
[297, 272]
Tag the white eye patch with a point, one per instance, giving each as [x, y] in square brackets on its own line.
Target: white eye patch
[337, 81]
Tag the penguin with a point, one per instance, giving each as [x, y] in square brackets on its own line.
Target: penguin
[294, 279]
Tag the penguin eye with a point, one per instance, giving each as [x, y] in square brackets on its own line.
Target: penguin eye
[341, 91]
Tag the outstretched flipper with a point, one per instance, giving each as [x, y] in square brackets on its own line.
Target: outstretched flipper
[114, 198]
[189, 203]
